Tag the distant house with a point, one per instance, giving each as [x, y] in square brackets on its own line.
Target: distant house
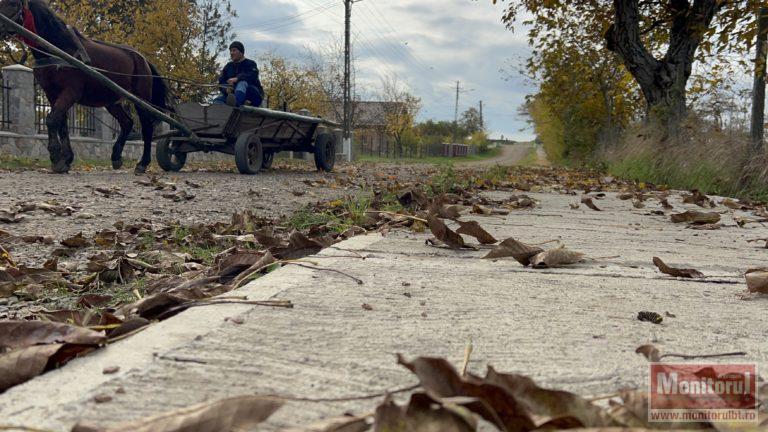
[369, 123]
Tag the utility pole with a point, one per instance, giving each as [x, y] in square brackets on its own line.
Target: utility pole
[347, 144]
[456, 115]
[482, 123]
[757, 131]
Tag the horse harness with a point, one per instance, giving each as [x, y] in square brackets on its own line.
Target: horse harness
[28, 21]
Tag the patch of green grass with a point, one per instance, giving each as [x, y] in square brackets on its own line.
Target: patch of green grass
[206, 254]
[444, 181]
[306, 217]
[356, 210]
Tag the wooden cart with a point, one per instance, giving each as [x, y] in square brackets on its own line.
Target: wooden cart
[253, 135]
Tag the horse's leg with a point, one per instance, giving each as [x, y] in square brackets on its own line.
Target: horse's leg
[66, 147]
[60, 156]
[126, 126]
[147, 131]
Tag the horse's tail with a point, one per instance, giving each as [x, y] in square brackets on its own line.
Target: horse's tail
[161, 94]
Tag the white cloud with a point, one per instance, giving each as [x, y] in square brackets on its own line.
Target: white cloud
[430, 44]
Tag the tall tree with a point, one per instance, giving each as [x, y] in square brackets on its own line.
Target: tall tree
[470, 121]
[400, 109]
[657, 41]
[214, 20]
[290, 84]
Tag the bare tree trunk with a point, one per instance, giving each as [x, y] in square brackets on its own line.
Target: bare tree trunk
[757, 128]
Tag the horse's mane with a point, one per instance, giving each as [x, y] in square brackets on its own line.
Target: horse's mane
[50, 26]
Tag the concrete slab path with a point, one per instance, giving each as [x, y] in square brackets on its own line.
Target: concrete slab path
[573, 328]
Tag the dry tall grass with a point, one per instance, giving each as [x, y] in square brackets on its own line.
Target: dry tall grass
[707, 158]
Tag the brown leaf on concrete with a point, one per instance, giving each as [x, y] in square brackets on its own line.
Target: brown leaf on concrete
[698, 198]
[515, 249]
[508, 401]
[626, 196]
[665, 203]
[76, 241]
[486, 211]
[445, 234]
[413, 198]
[557, 405]
[573, 206]
[637, 204]
[424, 413]
[587, 201]
[757, 280]
[733, 205]
[677, 272]
[441, 380]
[19, 334]
[21, 365]
[472, 228]
[556, 258]
[223, 415]
[696, 217]
[651, 353]
[299, 246]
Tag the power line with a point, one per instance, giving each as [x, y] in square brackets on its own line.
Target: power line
[293, 18]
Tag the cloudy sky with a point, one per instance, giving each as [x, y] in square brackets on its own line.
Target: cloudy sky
[429, 44]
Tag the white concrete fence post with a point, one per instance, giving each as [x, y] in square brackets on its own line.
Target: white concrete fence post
[21, 94]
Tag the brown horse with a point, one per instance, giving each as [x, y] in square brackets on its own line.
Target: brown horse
[65, 86]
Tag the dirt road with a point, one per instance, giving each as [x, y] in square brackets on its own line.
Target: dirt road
[510, 155]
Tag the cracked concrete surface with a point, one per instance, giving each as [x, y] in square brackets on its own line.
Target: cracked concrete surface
[573, 328]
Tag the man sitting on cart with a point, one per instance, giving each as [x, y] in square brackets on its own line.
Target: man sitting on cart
[239, 81]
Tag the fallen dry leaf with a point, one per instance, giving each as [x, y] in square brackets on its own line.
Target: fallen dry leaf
[21, 365]
[757, 281]
[651, 353]
[556, 257]
[510, 402]
[20, 334]
[587, 201]
[423, 413]
[698, 198]
[76, 241]
[677, 272]
[515, 249]
[696, 217]
[472, 228]
[445, 234]
[223, 415]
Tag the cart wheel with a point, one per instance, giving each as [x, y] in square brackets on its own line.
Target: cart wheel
[266, 163]
[248, 154]
[325, 152]
[168, 159]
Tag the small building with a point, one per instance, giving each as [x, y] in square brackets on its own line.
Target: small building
[369, 124]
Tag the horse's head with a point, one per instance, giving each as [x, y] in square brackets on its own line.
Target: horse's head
[13, 9]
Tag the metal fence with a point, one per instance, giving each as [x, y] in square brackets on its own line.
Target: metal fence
[81, 120]
[5, 105]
